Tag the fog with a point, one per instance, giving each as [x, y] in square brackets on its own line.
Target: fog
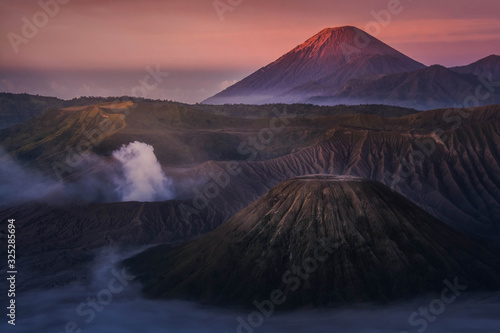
[18, 184]
[182, 85]
[134, 175]
[126, 311]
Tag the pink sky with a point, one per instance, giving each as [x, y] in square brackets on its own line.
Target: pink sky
[188, 35]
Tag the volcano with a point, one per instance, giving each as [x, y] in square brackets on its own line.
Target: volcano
[315, 67]
[319, 240]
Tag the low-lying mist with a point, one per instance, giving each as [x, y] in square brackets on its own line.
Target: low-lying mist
[133, 174]
[112, 302]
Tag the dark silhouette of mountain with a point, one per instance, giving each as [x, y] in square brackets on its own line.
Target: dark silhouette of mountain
[59, 241]
[183, 134]
[319, 239]
[347, 66]
[17, 108]
[334, 55]
[446, 161]
[427, 88]
[483, 67]
[302, 110]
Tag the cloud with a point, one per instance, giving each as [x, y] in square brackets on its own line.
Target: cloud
[18, 184]
[451, 30]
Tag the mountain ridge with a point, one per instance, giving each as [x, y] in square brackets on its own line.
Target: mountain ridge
[319, 71]
[329, 50]
[432, 87]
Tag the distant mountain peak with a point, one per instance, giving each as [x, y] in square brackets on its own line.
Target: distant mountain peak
[436, 68]
[489, 65]
[344, 31]
[336, 33]
[340, 53]
[342, 42]
[341, 28]
[493, 56]
[491, 59]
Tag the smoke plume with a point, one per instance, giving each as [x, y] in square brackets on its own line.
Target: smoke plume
[136, 175]
[143, 178]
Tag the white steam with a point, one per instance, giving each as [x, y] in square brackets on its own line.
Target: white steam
[137, 176]
[143, 178]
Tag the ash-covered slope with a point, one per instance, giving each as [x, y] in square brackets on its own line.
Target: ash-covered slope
[334, 55]
[58, 243]
[355, 239]
[447, 161]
